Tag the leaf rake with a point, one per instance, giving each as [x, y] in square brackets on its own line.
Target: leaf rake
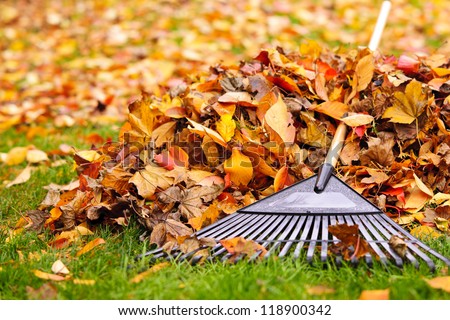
[300, 220]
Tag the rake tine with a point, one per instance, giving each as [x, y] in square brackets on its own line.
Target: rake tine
[374, 246]
[338, 259]
[413, 248]
[240, 220]
[293, 236]
[303, 237]
[225, 221]
[325, 236]
[284, 235]
[350, 222]
[314, 237]
[416, 241]
[279, 229]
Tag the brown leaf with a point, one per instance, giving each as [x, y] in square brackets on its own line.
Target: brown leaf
[350, 237]
[398, 245]
[37, 218]
[148, 180]
[118, 179]
[379, 151]
[47, 291]
[239, 245]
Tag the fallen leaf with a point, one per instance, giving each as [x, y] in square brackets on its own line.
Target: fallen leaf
[442, 283]
[16, 156]
[319, 290]
[226, 127]
[23, 177]
[47, 291]
[150, 179]
[58, 267]
[36, 156]
[425, 232]
[239, 167]
[375, 294]
[364, 72]
[380, 151]
[407, 106]
[398, 245]
[48, 276]
[358, 119]
[157, 267]
[239, 245]
[90, 245]
[279, 119]
[334, 109]
[84, 282]
[202, 131]
[350, 238]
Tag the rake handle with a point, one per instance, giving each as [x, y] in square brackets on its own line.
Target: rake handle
[331, 159]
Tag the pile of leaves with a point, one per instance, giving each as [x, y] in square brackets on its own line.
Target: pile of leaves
[221, 140]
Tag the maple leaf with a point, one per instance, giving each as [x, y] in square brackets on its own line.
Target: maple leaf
[407, 106]
[148, 180]
[349, 236]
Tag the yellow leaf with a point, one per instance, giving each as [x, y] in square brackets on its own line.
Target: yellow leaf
[91, 245]
[48, 276]
[239, 167]
[142, 117]
[334, 109]
[364, 72]
[59, 267]
[357, 119]
[149, 179]
[416, 199]
[279, 119]
[425, 232]
[311, 49]
[16, 156]
[440, 197]
[422, 186]
[319, 290]
[85, 282]
[202, 131]
[226, 126]
[164, 133]
[157, 267]
[442, 72]
[407, 106]
[36, 156]
[88, 155]
[442, 283]
[374, 295]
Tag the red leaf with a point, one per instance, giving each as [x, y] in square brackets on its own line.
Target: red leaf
[398, 192]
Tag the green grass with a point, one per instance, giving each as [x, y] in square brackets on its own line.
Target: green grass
[112, 265]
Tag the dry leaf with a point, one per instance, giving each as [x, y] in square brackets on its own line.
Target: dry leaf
[442, 283]
[364, 72]
[334, 109]
[16, 156]
[374, 295]
[239, 167]
[279, 119]
[59, 267]
[239, 245]
[47, 291]
[85, 282]
[36, 156]
[157, 267]
[90, 245]
[398, 245]
[48, 276]
[425, 232]
[202, 131]
[319, 290]
[226, 126]
[350, 237]
[149, 179]
[23, 177]
[407, 106]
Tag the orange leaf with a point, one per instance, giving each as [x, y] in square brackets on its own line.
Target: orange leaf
[240, 245]
[374, 295]
[239, 167]
[48, 276]
[439, 283]
[279, 119]
[202, 131]
[91, 245]
[157, 267]
[333, 109]
[280, 178]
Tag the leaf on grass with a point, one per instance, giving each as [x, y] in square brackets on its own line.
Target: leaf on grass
[48, 276]
[36, 156]
[37, 219]
[442, 283]
[157, 267]
[239, 167]
[90, 245]
[23, 177]
[85, 282]
[16, 156]
[239, 245]
[408, 106]
[58, 267]
[374, 295]
[425, 232]
[319, 290]
[47, 291]
[352, 245]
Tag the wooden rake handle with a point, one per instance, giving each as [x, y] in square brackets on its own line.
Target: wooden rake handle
[327, 168]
